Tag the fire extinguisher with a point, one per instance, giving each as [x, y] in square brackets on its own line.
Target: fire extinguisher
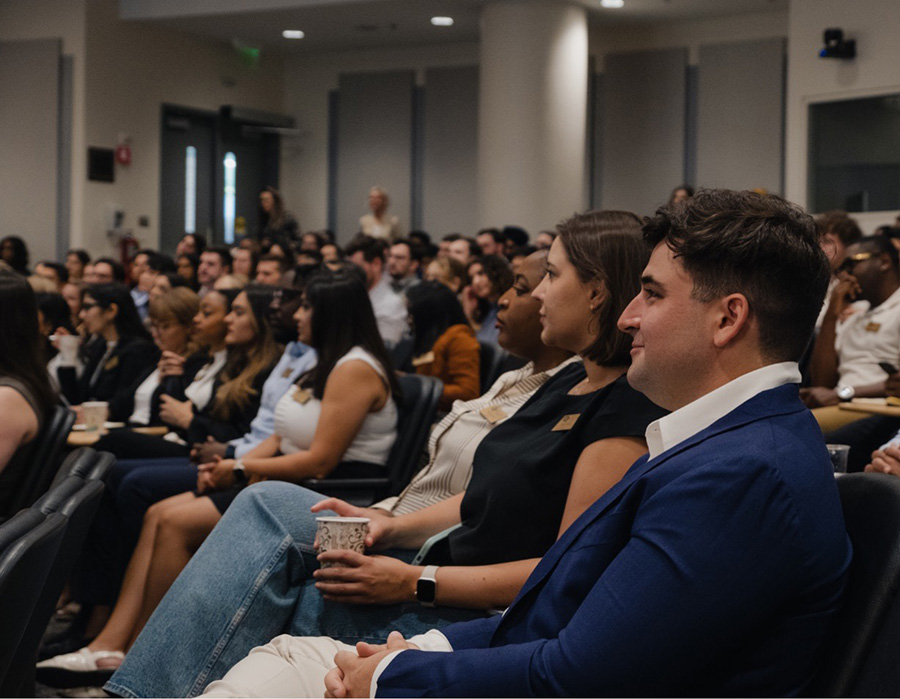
[128, 246]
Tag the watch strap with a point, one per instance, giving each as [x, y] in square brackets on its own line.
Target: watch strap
[426, 586]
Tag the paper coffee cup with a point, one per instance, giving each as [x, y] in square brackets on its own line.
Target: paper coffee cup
[68, 349]
[348, 533]
[94, 414]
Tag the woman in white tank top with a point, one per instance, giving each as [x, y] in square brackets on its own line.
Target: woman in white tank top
[340, 412]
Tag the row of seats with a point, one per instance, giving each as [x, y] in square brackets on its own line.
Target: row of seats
[38, 549]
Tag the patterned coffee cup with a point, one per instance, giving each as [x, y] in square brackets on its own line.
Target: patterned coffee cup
[347, 533]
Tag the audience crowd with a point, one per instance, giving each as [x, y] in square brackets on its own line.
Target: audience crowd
[619, 422]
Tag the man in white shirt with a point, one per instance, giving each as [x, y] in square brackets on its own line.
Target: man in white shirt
[390, 309]
[716, 564]
[846, 358]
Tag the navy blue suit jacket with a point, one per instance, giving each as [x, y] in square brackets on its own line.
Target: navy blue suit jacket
[715, 568]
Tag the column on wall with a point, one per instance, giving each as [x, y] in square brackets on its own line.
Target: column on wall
[532, 113]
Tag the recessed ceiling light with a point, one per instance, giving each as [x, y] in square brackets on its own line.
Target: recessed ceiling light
[292, 34]
[442, 21]
[612, 3]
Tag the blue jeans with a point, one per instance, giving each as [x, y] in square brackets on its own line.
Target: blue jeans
[250, 581]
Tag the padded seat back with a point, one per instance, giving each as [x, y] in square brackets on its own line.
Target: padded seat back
[415, 414]
[44, 459]
[29, 543]
[492, 358]
[77, 500]
[862, 654]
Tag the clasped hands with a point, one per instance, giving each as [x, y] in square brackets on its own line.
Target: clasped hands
[361, 579]
[885, 461]
[353, 675]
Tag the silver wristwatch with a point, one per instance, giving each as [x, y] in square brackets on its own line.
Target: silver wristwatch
[845, 393]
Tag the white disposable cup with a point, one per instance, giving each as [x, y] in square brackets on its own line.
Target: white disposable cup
[94, 414]
[68, 349]
[838, 454]
[347, 533]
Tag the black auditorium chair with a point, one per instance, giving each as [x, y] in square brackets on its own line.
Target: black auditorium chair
[491, 358]
[77, 500]
[29, 543]
[43, 460]
[85, 463]
[861, 654]
[416, 411]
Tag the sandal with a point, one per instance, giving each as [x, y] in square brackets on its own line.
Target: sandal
[79, 669]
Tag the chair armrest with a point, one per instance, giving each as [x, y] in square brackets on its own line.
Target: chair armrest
[344, 483]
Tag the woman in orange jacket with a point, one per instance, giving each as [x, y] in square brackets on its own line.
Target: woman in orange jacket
[444, 344]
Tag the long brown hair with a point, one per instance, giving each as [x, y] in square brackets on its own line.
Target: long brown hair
[21, 350]
[607, 246]
[245, 362]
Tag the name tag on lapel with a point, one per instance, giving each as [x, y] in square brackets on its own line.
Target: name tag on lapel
[111, 363]
[286, 374]
[873, 327]
[493, 414]
[567, 423]
[427, 358]
[302, 396]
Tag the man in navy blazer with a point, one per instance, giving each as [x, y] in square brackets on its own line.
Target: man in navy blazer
[718, 562]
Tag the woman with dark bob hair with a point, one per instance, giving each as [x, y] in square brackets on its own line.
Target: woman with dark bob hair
[340, 412]
[444, 344]
[26, 396]
[118, 347]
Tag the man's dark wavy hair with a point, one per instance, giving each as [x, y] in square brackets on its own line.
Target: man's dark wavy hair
[760, 246]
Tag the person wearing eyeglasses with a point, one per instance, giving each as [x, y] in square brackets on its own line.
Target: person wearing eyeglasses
[837, 231]
[848, 351]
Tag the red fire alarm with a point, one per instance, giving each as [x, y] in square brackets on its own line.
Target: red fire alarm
[123, 151]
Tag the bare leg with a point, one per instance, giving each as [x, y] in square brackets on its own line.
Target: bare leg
[180, 532]
[119, 629]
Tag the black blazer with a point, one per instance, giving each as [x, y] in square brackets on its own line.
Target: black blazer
[238, 423]
[123, 403]
[131, 358]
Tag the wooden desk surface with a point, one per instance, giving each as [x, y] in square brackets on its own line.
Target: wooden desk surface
[874, 406]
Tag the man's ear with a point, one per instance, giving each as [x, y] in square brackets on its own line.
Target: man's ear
[733, 313]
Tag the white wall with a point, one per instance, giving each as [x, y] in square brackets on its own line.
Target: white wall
[308, 80]
[873, 23]
[65, 20]
[690, 34]
[134, 68]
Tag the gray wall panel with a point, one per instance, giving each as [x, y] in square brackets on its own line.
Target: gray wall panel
[374, 144]
[450, 156]
[643, 126]
[741, 115]
[29, 122]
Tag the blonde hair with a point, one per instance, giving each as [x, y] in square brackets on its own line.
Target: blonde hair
[179, 306]
[39, 284]
[231, 281]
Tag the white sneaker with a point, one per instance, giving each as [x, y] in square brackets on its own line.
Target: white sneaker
[78, 669]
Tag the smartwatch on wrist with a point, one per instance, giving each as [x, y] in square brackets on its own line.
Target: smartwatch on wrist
[426, 586]
[845, 393]
[240, 474]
